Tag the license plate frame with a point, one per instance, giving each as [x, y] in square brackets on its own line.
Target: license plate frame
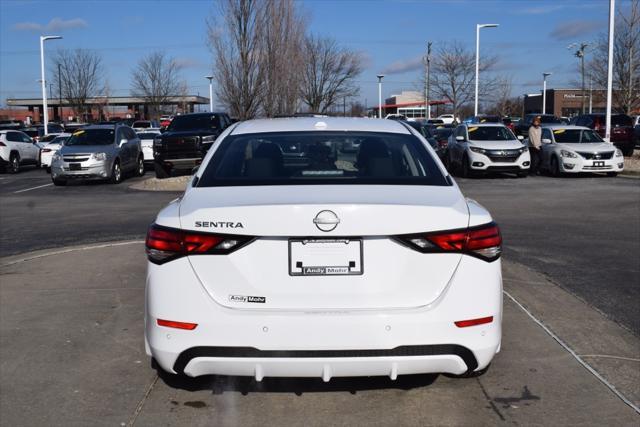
[75, 166]
[307, 260]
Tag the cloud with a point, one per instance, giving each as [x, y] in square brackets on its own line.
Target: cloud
[56, 24]
[404, 66]
[184, 62]
[573, 29]
[539, 10]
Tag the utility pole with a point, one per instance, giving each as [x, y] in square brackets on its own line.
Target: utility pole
[612, 17]
[380, 77]
[427, 61]
[590, 94]
[60, 93]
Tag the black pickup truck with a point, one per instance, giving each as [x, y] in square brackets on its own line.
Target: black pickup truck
[186, 141]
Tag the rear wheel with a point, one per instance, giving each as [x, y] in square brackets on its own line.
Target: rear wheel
[612, 174]
[14, 163]
[116, 173]
[555, 167]
[140, 168]
[161, 172]
[48, 169]
[522, 174]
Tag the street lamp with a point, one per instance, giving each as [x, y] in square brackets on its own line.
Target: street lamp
[612, 18]
[544, 92]
[380, 76]
[44, 85]
[210, 92]
[478, 26]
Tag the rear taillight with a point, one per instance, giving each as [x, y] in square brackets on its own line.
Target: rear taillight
[483, 242]
[165, 244]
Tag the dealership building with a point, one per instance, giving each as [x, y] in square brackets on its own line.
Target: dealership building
[566, 102]
[409, 104]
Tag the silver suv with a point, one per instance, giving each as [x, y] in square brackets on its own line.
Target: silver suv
[104, 152]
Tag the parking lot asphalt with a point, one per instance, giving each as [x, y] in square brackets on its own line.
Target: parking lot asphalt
[71, 353]
[581, 232]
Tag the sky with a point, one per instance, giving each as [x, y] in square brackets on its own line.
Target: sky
[532, 37]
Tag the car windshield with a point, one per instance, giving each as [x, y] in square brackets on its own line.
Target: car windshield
[321, 158]
[182, 123]
[574, 136]
[148, 135]
[59, 140]
[489, 119]
[490, 133]
[141, 124]
[91, 137]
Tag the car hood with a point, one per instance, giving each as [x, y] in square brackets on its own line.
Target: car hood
[72, 149]
[597, 147]
[195, 132]
[497, 145]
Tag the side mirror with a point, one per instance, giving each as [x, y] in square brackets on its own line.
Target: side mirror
[546, 141]
[460, 138]
[520, 138]
[123, 141]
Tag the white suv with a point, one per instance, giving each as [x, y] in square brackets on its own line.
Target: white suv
[16, 149]
[490, 147]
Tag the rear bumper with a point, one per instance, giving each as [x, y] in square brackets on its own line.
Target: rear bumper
[325, 344]
[188, 163]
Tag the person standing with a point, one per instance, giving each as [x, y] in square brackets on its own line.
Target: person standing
[535, 145]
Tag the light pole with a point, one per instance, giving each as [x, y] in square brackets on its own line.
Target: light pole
[210, 78]
[380, 76]
[580, 55]
[478, 26]
[44, 85]
[612, 16]
[427, 61]
[544, 92]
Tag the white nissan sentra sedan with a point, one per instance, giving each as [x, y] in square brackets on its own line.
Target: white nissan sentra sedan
[316, 262]
[578, 149]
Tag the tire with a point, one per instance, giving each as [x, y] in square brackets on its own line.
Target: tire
[465, 169]
[48, 169]
[628, 152]
[161, 172]
[554, 167]
[116, 173]
[140, 168]
[612, 174]
[59, 182]
[522, 174]
[471, 374]
[14, 163]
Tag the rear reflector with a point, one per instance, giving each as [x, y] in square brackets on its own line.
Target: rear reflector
[177, 325]
[483, 241]
[164, 244]
[473, 322]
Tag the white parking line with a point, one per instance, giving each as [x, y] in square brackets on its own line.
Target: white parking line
[32, 188]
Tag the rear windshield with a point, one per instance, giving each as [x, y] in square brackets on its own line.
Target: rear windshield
[489, 119]
[148, 135]
[575, 136]
[184, 123]
[141, 125]
[305, 158]
[621, 121]
[490, 133]
[91, 137]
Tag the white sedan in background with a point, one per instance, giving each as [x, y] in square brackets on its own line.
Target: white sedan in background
[487, 147]
[47, 150]
[146, 141]
[575, 149]
[326, 265]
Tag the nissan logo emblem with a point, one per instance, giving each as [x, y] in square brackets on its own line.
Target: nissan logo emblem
[326, 221]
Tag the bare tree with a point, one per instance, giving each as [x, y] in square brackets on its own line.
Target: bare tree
[329, 73]
[156, 78]
[235, 37]
[500, 97]
[80, 77]
[453, 74]
[626, 60]
[282, 58]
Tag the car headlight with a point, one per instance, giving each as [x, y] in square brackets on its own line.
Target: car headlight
[157, 141]
[565, 153]
[99, 156]
[523, 149]
[56, 157]
[477, 150]
[618, 152]
[208, 139]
